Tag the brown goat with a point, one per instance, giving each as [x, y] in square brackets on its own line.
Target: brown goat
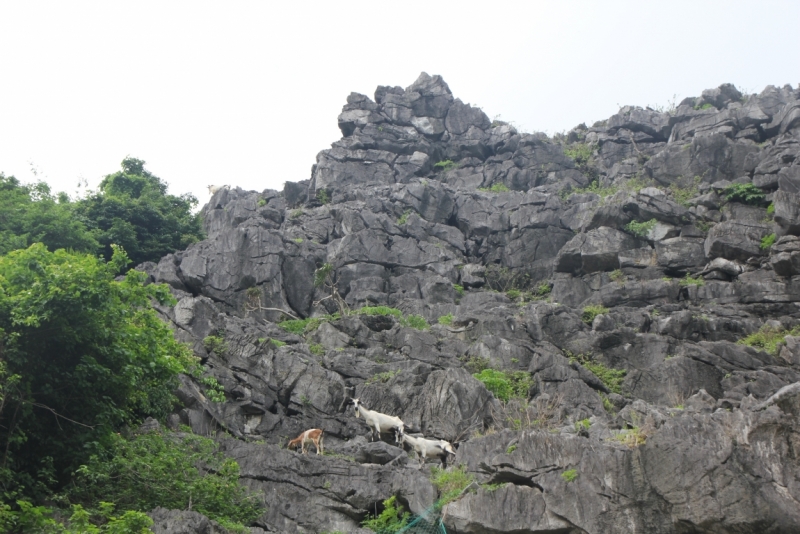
[314, 435]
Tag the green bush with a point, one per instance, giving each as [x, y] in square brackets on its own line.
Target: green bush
[641, 229]
[768, 241]
[380, 310]
[445, 165]
[215, 344]
[513, 294]
[592, 311]
[304, 326]
[316, 349]
[323, 197]
[496, 188]
[38, 519]
[580, 153]
[506, 385]
[687, 281]
[683, 190]
[170, 470]
[769, 338]
[404, 217]
[446, 319]
[593, 187]
[771, 208]
[83, 354]
[450, 483]
[511, 449]
[569, 475]
[390, 520]
[415, 321]
[745, 193]
[611, 378]
[475, 364]
[459, 290]
[383, 377]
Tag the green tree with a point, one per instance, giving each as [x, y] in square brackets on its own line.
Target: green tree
[30, 214]
[82, 354]
[132, 209]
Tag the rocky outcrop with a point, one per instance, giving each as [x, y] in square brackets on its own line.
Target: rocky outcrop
[610, 268]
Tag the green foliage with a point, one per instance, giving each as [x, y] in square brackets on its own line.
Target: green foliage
[390, 520]
[316, 349]
[511, 449]
[446, 319]
[215, 344]
[768, 241]
[383, 377]
[277, 343]
[475, 364]
[404, 217]
[415, 321]
[298, 240]
[296, 213]
[167, 469]
[132, 209]
[323, 197]
[493, 487]
[771, 208]
[38, 519]
[707, 105]
[569, 475]
[583, 423]
[380, 310]
[83, 354]
[769, 338]
[459, 290]
[593, 187]
[641, 229]
[632, 437]
[445, 165]
[580, 153]
[591, 311]
[450, 483]
[513, 294]
[543, 289]
[687, 281]
[745, 193]
[261, 202]
[617, 276]
[608, 405]
[214, 390]
[683, 190]
[322, 273]
[496, 188]
[612, 378]
[30, 214]
[506, 385]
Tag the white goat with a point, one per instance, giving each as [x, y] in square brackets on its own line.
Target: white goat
[214, 188]
[427, 448]
[377, 421]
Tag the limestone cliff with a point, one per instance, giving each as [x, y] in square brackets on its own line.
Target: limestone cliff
[641, 244]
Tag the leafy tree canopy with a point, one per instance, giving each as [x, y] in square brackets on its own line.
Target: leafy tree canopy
[132, 209]
[80, 355]
[30, 214]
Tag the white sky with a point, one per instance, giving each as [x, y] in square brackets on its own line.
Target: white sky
[247, 93]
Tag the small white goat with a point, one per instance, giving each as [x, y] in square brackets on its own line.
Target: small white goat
[214, 188]
[427, 448]
[313, 435]
[377, 421]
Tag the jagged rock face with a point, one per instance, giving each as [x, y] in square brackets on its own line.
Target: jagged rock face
[427, 206]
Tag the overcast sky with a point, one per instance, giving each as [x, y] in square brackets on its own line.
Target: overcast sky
[247, 93]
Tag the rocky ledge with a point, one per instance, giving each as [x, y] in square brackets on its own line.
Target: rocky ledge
[610, 273]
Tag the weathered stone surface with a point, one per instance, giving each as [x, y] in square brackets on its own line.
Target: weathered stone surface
[693, 433]
[734, 240]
